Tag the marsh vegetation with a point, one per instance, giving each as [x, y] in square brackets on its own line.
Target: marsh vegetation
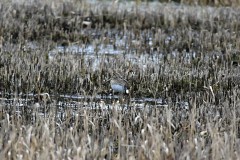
[56, 60]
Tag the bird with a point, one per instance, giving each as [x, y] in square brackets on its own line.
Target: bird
[122, 83]
[119, 86]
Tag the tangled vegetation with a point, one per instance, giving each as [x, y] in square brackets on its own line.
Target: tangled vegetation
[188, 55]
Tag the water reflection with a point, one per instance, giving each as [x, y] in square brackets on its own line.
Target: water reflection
[83, 101]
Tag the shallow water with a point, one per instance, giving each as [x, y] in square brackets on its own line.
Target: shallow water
[96, 55]
[82, 101]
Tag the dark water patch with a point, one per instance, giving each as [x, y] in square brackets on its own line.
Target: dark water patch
[82, 101]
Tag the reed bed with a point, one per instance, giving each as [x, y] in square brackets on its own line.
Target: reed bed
[179, 53]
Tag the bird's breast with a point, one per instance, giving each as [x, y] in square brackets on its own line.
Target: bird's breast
[118, 88]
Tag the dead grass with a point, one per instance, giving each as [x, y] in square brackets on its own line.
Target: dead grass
[203, 131]
[193, 57]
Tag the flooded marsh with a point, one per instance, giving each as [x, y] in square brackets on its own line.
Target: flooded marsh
[119, 80]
